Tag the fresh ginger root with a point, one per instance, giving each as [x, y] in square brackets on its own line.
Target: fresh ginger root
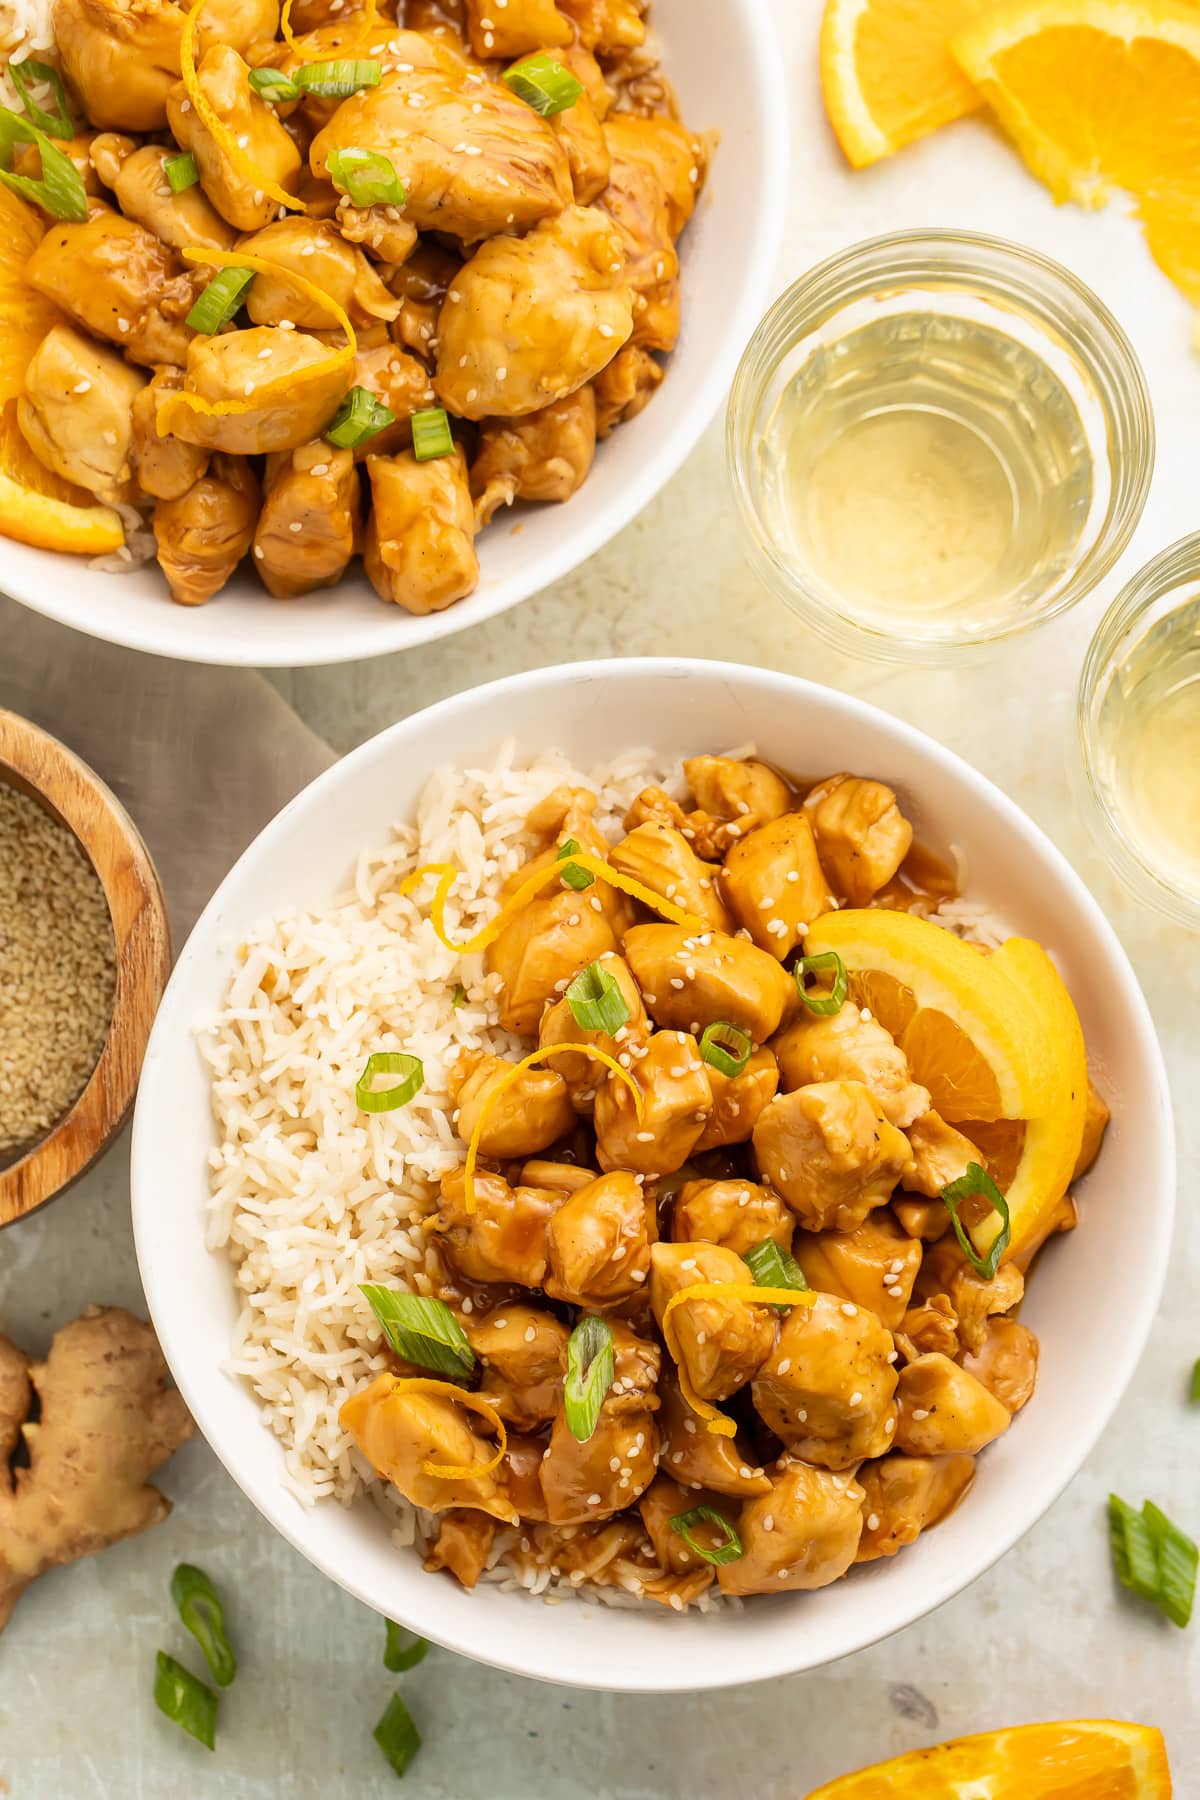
[108, 1419]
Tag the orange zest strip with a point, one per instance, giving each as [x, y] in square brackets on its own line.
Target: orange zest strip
[447, 874]
[419, 1384]
[506, 1081]
[749, 1291]
[216, 126]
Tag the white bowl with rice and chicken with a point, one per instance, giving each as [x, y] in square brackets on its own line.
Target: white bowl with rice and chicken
[789, 1046]
[508, 296]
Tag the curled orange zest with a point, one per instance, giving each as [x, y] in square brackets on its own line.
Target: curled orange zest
[749, 1291]
[506, 1081]
[289, 37]
[217, 128]
[420, 1384]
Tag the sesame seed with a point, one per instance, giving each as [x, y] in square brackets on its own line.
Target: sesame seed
[263, 354]
[676, 981]
[501, 374]
[850, 1311]
[122, 324]
[593, 1499]
[802, 1415]
[890, 1427]
[643, 1137]
[689, 1425]
[501, 1324]
[259, 551]
[295, 525]
[793, 874]
[872, 1521]
[856, 1398]
[248, 388]
[454, 294]
[784, 1366]
[920, 1412]
[782, 1575]
[892, 1356]
[319, 469]
[865, 1015]
[766, 903]
[702, 1337]
[637, 1274]
[472, 394]
[614, 1463]
[488, 40]
[530, 1333]
[677, 1456]
[606, 331]
[689, 1264]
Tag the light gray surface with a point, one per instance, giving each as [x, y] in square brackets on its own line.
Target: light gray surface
[1044, 1635]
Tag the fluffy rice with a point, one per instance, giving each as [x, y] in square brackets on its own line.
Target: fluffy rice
[25, 30]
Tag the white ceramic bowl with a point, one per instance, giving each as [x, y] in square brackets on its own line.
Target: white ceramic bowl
[724, 60]
[1092, 1302]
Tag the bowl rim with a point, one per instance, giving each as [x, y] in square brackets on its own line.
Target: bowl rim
[278, 1506]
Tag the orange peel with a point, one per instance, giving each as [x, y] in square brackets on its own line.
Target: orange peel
[422, 1384]
[749, 1291]
[216, 127]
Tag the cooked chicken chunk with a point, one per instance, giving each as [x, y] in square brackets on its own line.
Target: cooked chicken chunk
[138, 179]
[1063, 1217]
[735, 1214]
[945, 1411]
[845, 1046]
[862, 836]
[660, 857]
[524, 1354]
[463, 1545]
[906, 1495]
[665, 1500]
[940, 1155]
[534, 317]
[720, 1342]
[315, 250]
[828, 1149]
[544, 456]
[203, 536]
[625, 387]
[539, 953]
[115, 279]
[875, 1265]
[945, 1270]
[565, 816]
[931, 1326]
[702, 1459]
[516, 28]
[420, 283]
[504, 1239]
[1094, 1125]
[801, 1535]
[563, 1177]
[75, 413]
[675, 1104]
[522, 1471]
[737, 1101]
[599, 1244]
[927, 1219]
[402, 382]
[827, 1387]
[742, 793]
[580, 128]
[420, 549]
[618, 1462]
[529, 1114]
[583, 1074]
[607, 26]
[399, 1429]
[225, 83]
[296, 388]
[691, 981]
[121, 57]
[644, 200]
[165, 466]
[1006, 1363]
[310, 519]
[774, 884]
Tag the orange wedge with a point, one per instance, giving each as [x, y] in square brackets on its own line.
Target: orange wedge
[1098, 96]
[1079, 1759]
[887, 73]
[50, 524]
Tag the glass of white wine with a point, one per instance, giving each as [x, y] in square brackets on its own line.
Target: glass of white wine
[1139, 726]
[937, 439]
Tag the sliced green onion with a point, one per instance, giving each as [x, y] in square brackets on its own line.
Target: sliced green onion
[543, 83]
[573, 876]
[1194, 1390]
[410, 1069]
[201, 1611]
[273, 85]
[590, 1367]
[338, 80]
[773, 1266]
[60, 190]
[596, 1001]
[24, 75]
[181, 172]
[725, 1047]
[460, 994]
[727, 1552]
[1178, 1559]
[396, 1735]
[829, 962]
[978, 1181]
[358, 418]
[404, 1649]
[1133, 1549]
[366, 178]
[220, 301]
[421, 1330]
[185, 1700]
[431, 434]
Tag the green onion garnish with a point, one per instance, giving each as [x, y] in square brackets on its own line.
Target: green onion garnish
[1154, 1558]
[404, 1649]
[273, 85]
[201, 1611]
[190, 1703]
[573, 876]
[24, 75]
[366, 178]
[60, 190]
[460, 994]
[726, 1552]
[421, 1330]
[828, 962]
[595, 1000]
[358, 418]
[590, 1366]
[396, 1735]
[1194, 1390]
[773, 1266]
[725, 1047]
[543, 83]
[338, 80]
[978, 1181]
[181, 172]
[410, 1069]
[431, 434]
[220, 301]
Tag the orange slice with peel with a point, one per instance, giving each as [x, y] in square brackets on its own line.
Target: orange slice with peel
[1076, 1759]
[887, 73]
[49, 524]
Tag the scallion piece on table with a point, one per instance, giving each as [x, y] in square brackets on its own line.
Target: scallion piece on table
[1153, 1558]
[28, 74]
[338, 80]
[431, 434]
[397, 1735]
[590, 1367]
[773, 1266]
[201, 1611]
[188, 1702]
[978, 1181]
[358, 418]
[726, 1552]
[543, 83]
[181, 172]
[827, 963]
[59, 190]
[366, 177]
[573, 876]
[1194, 1390]
[421, 1330]
[220, 301]
[404, 1649]
[273, 85]
[596, 1001]
[725, 1047]
[410, 1073]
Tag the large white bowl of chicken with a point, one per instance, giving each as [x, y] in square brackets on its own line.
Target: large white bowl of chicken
[863, 1453]
[559, 300]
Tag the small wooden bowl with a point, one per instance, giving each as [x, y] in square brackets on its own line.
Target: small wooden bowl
[37, 764]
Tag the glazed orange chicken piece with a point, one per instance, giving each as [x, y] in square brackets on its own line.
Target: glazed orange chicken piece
[310, 519]
[612, 1468]
[545, 455]
[138, 179]
[802, 1535]
[774, 884]
[875, 1265]
[738, 1100]
[420, 283]
[420, 549]
[606, 26]
[945, 1411]
[598, 1243]
[282, 382]
[204, 534]
[517, 27]
[540, 951]
[940, 1155]
[665, 1500]
[906, 1495]
[827, 1388]
[1006, 1362]
[225, 83]
[862, 836]
[580, 128]
[315, 250]
[721, 1342]
[625, 387]
[740, 793]
[463, 1544]
[399, 1430]
[845, 1046]
[76, 412]
[121, 58]
[558, 1025]
[504, 1239]
[115, 279]
[702, 1459]
[945, 1270]
[691, 979]
[735, 1214]
[660, 857]
[523, 1350]
[655, 173]
[675, 1104]
[828, 1149]
[402, 382]
[166, 466]
[527, 1115]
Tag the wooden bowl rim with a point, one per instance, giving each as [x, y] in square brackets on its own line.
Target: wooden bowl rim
[73, 793]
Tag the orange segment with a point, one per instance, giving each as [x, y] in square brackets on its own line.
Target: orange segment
[52, 524]
[887, 73]
[1078, 1759]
